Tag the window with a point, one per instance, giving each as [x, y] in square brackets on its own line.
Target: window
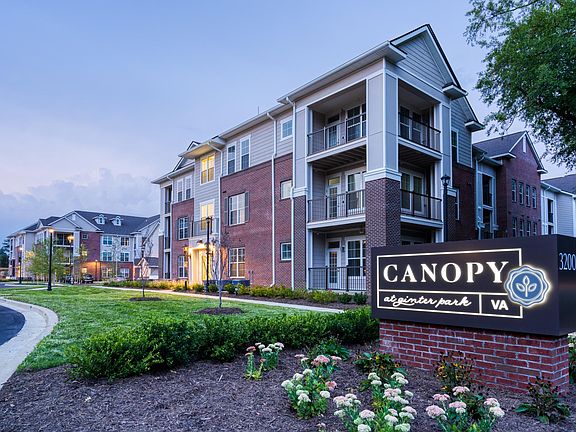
[84, 236]
[514, 226]
[527, 195]
[182, 267]
[237, 206]
[180, 190]
[535, 228]
[285, 189]
[285, 251]
[454, 141]
[521, 229]
[207, 169]
[100, 220]
[457, 204]
[125, 273]
[125, 256]
[117, 221]
[183, 228]
[245, 153]
[514, 192]
[106, 273]
[356, 257]
[206, 211]
[534, 197]
[528, 228]
[521, 192]
[237, 263]
[188, 187]
[124, 241]
[231, 159]
[107, 240]
[106, 256]
[286, 129]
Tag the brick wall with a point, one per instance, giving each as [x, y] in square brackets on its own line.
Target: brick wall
[382, 217]
[283, 209]
[465, 227]
[179, 210]
[501, 359]
[299, 246]
[92, 245]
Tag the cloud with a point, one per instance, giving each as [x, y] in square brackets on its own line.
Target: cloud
[103, 191]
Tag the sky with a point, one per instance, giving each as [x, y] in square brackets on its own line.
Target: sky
[99, 98]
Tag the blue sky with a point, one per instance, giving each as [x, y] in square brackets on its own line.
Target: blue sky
[98, 98]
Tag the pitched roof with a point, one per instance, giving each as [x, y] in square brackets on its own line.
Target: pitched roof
[499, 145]
[566, 183]
[129, 224]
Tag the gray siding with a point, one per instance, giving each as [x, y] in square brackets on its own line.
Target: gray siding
[284, 146]
[420, 62]
[464, 135]
[208, 191]
[565, 214]
[261, 143]
[318, 250]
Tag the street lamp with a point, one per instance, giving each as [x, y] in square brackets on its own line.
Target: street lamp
[20, 268]
[186, 259]
[70, 239]
[445, 182]
[208, 232]
[96, 270]
[51, 231]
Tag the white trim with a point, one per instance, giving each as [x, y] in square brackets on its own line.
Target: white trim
[381, 173]
[232, 144]
[240, 141]
[282, 123]
[204, 157]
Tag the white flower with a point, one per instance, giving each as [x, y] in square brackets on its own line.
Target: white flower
[298, 377]
[287, 384]
[339, 413]
[408, 393]
[496, 411]
[373, 376]
[325, 394]
[364, 428]
[299, 392]
[492, 402]
[279, 345]
[306, 371]
[376, 382]
[410, 410]
[407, 415]
[393, 412]
[351, 396]
[303, 398]
[397, 375]
[367, 415]
[391, 419]
[459, 390]
[404, 427]
[267, 350]
[435, 411]
[261, 346]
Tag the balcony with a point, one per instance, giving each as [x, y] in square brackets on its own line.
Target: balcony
[420, 205]
[336, 206]
[200, 228]
[337, 278]
[338, 134]
[418, 132]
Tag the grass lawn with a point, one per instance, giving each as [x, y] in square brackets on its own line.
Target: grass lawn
[84, 311]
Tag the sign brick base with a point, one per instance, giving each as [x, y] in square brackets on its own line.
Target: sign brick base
[501, 359]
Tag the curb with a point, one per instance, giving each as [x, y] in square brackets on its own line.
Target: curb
[39, 323]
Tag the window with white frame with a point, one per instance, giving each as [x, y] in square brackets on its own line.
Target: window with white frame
[100, 220]
[207, 169]
[454, 142]
[237, 205]
[534, 197]
[514, 192]
[125, 273]
[125, 256]
[514, 226]
[182, 266]
[124, 241]
[286, 129]
[521, 228]
[107, 240]
[206, 211]
[521, 193]
[106, 273]
[285, 189]
[106, 256]
[180, 190]
[236, 267]
[528, 195]
[285, 251]
[244, 153]
[231, 159]
[183, 228]
[117, 221]
[457, 204]
[84, 236]
[187, 187]
[528, 228]
[535, 228]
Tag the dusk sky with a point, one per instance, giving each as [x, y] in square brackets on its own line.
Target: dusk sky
[98, 98]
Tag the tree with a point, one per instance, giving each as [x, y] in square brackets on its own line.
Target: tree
[4, 253]
[219, 262]
[78, 260]
[146, 250]
[38, 260]
[530, 68]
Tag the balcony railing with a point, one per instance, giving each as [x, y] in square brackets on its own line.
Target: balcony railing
[337, 134]
[419, 205]
[336, 206]
[201, 227]
[418, 132]
[337, 278]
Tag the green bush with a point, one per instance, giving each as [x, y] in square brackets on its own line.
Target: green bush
[323, 296]
[344, 298]
[160, 345]
[198, 288]
[360, 298]
[212, 288]
[329, 347]
[244, 290]
[156, 284]
[230, 288]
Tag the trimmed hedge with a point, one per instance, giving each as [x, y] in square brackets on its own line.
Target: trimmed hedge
[159, 345]
[155, 284]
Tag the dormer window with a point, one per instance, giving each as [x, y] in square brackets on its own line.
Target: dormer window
[117, 221]
[100, 220]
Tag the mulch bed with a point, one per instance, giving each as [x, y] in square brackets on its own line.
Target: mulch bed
[204, 397]
[221, 311]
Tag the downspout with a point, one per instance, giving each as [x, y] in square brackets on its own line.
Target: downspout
[273, 164]
[292, 276]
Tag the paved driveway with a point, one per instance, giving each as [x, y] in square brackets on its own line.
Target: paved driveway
[10, 323]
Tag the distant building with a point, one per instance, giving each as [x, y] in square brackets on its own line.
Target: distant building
[559, 205]
[103, 245]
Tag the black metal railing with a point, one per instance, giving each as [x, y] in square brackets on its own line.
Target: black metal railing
[201, 227]
[420, 205]
[418, 132]
[338, 134]
[336, 206]
[337, 278]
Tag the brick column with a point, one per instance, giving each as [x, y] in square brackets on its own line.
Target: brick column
[299, 246]
[501, 359]
[382, 218]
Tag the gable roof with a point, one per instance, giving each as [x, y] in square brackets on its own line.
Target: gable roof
[566, 183]
[130, 224]
[502, 147]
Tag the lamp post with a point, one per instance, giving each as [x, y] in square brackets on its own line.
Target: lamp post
[186, 266]
[51, 231]
[96, 270]
[445, 182]
[70, 239]
[208, 232]
[19, 268]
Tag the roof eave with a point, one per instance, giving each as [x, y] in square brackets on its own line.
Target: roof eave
[474, 126]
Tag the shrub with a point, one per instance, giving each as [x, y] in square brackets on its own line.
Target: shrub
[165, 344]
[230, 288]
[545, 403]
[382, 364]
[243, 290]
[572, 359]
[330, 347]
[360, 298]
[454, 370]
[212, 288]
[344, 298]
[323, 296]
[155, 284]
[198, 288]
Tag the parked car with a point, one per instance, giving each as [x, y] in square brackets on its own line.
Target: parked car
[87, 278]
[69, 279]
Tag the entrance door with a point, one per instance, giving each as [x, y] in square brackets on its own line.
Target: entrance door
[333, 261]
[333, 200]
[413, 198]
[332, 131]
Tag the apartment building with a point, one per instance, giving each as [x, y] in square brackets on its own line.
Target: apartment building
[559, 205]
[350, 160]
[103, 245]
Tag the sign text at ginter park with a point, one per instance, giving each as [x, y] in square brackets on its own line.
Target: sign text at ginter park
[519, 284]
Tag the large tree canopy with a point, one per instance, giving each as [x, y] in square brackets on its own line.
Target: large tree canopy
[530, 68]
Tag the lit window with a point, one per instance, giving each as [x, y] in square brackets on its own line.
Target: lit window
[183, 228]
[285, 251]
[182, 267]
[245, 153]
[285, 189]
[237, 263]
[231, 159]
[286, 129]
[125, 241]
[237, 205]
[207, 169]
[206, 211]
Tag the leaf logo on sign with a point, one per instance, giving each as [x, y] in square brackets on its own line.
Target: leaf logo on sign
[527, 286]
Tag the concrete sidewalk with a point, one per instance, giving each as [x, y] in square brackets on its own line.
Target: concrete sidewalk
[232, 299]
[39, 323]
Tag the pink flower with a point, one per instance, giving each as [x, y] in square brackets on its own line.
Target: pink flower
[459, 407]
[434, 411]
[321, 359]
[335, 358]
[441, 397]
[251, 349]
[331, 385]
[460, 389]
